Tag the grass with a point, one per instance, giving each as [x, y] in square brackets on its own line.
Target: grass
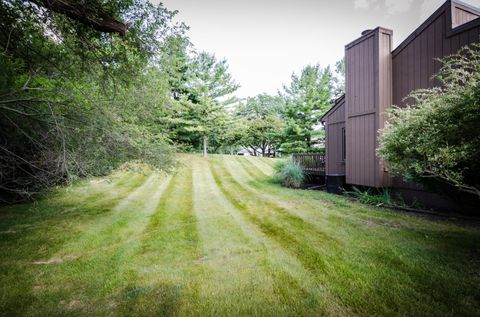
[218, 237]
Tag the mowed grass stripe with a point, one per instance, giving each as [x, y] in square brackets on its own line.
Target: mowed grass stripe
[252, 170]
[317, 213]
[234, 279]
[246, 272]
[268, 161]
[97, 264]
[322, 209]
[76, 201]
[294, 288]
[42, 230]
[275, 215]
[115, 226]
[315, 206]
[260, 165]
[298, 209]
[292, 233]
[166, 265]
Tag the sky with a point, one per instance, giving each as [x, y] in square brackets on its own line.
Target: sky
[265, 41]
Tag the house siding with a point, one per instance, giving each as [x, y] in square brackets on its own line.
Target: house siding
[415, 63]
[462, 15]
[334, 123]
[368, 94]
[377, 77]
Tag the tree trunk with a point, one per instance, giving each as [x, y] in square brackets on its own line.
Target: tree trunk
[205, 147]
[262, 147]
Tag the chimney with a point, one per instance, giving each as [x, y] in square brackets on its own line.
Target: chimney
[366, 31]
[368, 88]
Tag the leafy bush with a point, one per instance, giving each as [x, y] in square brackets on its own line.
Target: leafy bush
[438, 138]
[289, 173]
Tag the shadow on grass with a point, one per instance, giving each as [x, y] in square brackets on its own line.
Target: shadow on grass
[151, 300]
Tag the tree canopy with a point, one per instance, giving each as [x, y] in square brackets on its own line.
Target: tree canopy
[69, 102]
[307, 98]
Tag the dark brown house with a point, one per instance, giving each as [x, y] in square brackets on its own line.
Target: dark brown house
[378, 76]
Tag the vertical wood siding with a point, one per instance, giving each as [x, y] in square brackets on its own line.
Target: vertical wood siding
[334, 123]
[377, 77]
[461, 16]
[368, 93]
[385, 94]
[415, 64]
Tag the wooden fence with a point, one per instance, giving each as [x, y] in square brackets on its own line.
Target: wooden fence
[311, 163]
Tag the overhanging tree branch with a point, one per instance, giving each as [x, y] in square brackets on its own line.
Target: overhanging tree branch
[89, 13]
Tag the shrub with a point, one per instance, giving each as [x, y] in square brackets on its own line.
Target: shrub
[438, 138]
[382, 198]
[289, 173]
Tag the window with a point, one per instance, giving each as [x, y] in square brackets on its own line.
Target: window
[344, 147]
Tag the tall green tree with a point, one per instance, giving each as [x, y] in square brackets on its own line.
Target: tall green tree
[307, 98]
[210, 88]
[262, 124]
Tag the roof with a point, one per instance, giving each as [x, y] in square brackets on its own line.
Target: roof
[337, 102]
[447, 5]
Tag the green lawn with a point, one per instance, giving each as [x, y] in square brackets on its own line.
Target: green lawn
[217, 238]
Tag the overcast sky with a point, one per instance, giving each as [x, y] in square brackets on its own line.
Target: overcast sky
[265, 41]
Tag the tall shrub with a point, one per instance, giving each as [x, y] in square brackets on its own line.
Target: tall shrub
[438, 136]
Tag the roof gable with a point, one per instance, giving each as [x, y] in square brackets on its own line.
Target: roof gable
[453, 26]
[338, 102]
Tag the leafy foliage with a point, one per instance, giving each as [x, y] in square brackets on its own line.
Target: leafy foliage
[262, 124]
[79, 97]
[202, 104]
[307, 98]
[70, 102]
[438, 137]
[339, 78]
[288, 123]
